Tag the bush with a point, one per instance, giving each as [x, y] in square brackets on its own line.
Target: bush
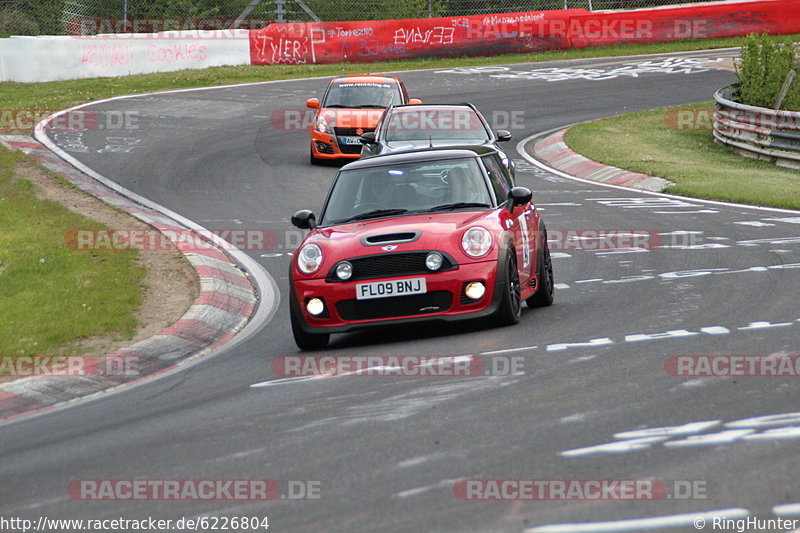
[30, 18]
[762, 71]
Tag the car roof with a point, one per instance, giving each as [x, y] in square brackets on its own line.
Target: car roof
[364, 79]
[423, 154]
[413, 107]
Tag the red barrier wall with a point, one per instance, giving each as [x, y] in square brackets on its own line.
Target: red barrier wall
[382, 40]
[692, 22]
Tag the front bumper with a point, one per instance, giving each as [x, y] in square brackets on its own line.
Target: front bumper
[340, 298]
[332, 150]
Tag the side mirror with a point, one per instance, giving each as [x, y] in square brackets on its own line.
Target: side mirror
[368, 138]
[503, 135]
[520, 196]
[312, 103]
[414, 101]
[304, 219]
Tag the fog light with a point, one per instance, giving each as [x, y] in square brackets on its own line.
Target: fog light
[475, 290]
[315, 306]
[434, 261]
[344, 270]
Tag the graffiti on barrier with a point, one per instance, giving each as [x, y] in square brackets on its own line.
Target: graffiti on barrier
[672, 65]
[290, 46]
[106, 56]
[441, 35]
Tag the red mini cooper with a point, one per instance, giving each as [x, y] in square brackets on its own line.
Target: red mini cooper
[416, 236]
[351, 107]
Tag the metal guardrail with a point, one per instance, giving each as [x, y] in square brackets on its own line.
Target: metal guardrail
[757, 132]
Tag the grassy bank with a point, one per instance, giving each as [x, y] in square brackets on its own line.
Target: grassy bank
[62, 94]
[652, 143]
[51, 295]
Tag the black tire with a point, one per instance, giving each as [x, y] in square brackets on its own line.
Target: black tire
[546, 291]
[307, 341]
[510, 310]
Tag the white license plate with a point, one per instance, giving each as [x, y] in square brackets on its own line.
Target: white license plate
[387, 289]
[350, 140]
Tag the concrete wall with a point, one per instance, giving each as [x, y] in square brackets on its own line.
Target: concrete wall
[37, 59]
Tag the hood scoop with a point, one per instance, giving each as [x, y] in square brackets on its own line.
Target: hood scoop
[390, 238]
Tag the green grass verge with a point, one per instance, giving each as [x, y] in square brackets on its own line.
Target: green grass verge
[699, 167]
[63, 94]
[51, 295]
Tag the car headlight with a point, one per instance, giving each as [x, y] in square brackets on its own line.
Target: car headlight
[344, 270]
[476, 241]
[433, 261]
[321, 124]
[309, 259]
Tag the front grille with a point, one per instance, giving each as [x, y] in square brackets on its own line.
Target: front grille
[466, 300]
[390, 265]
[350, 132]
[392, 237]
[350, 148]
[418, 304]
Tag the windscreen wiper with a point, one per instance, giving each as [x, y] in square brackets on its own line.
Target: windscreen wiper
[458, 205]
[374, 214]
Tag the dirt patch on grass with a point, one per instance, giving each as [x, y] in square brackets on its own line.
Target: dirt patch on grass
[170, 285]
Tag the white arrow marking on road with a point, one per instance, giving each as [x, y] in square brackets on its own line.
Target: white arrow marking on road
[615, 447]
[763, 421]
[655, 336]
[604, 341]
[667, 431]
[754, 223]
[787, 509]
[765, 325]
[776, 434]
[510, 350]
[723, 437]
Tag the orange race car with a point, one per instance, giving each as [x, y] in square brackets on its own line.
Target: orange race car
[351, 107]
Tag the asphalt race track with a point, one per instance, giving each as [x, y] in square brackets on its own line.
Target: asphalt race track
[386, 452]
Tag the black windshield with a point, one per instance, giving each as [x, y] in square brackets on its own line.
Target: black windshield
[408, 188]
[373, 95]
